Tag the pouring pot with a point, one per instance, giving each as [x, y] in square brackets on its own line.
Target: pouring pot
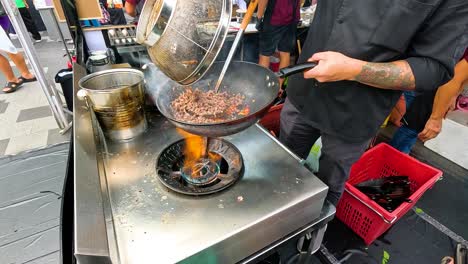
[117, 98]
[259, 85]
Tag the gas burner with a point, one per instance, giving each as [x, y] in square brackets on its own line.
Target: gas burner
[207, 175]
[203, 172]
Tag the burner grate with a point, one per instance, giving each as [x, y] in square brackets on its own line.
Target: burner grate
[212, 176]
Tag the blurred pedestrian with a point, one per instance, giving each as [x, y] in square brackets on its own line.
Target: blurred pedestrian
[23, 8]
[425, 111]
[134, 7]
[8, 49]
[277, 25]
[4, 21]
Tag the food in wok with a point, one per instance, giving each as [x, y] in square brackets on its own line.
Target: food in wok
[204, 107]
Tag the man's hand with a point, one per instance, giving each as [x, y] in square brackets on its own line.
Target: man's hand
[332, 66]
[431, 130]
[259, 25]
[446, 98]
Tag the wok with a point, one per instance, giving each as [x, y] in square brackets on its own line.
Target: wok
[259, 85]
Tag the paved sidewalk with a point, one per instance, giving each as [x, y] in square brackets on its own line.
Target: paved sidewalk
[26, 120]
[30, 198]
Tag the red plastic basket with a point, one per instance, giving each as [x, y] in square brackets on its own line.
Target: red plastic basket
[364, 216]
[271, 121]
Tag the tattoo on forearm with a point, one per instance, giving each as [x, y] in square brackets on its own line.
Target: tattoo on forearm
[391, 75]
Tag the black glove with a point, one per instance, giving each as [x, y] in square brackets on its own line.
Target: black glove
[259, 25]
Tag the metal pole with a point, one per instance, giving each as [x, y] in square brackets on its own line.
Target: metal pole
[54, 100]
[57, 25]
[239, 35]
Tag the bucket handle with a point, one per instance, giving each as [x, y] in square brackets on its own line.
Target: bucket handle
[82, 95]
[370, 207]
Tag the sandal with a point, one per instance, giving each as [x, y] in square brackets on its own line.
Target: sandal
[12, 86]
[25, 80]
[448, 260]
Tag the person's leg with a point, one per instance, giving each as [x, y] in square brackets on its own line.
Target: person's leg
[338, 155]
[285, 59]
[6, 69]
[295, 133]
[268, 41]
[5, 23]
[286, 46]
[13, 83]
[20, 63]
[409, 98]
[29, 23]
[264, 61]
[404, 139]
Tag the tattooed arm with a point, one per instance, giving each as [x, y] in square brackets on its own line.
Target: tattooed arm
[390, 75]
[334, 66]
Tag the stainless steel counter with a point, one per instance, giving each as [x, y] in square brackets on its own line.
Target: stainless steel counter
[125, 215]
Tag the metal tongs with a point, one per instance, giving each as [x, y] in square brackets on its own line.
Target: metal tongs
[245, 22]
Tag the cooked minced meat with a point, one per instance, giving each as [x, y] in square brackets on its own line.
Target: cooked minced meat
[195, 106]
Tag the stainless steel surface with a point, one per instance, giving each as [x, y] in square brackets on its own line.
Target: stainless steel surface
[275, 197]
[259, 85]
[327, 214]
[124, 214]
[117, 97]
[184, 37]
[162, 11]
[279, 143]
[91, 243]
[130, 132]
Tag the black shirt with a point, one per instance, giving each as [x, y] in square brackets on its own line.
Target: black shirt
[429, 34]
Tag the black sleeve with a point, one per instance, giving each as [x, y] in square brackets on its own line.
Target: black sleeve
[438, 46]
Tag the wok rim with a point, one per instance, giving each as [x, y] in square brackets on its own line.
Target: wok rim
[235, 121]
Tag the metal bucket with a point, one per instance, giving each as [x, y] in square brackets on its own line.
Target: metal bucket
[117, 97]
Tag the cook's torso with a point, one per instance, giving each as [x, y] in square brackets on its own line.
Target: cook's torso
[370, 30]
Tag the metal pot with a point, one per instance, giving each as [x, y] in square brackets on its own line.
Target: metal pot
[99, 62]
[240, 14]
[117, 98]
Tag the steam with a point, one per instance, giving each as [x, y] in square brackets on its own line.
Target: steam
[155, 79]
